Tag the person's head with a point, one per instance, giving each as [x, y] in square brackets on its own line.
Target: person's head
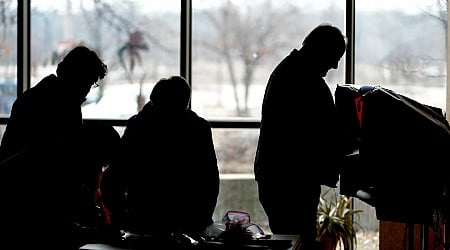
[326, 45]
[171, 93]
[81, 68]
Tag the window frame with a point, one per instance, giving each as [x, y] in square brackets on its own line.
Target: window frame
[23, 64]
[23, 60]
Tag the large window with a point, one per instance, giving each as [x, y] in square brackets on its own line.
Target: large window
[8, 55]
[139, 41]
[236, 44]
[401, 45]
[229, 48]
[8, 58]
[405, 50]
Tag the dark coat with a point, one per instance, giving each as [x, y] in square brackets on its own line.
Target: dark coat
[42, 117]
[298, 135]
[170, 171]
[50, 164]
[39, 179]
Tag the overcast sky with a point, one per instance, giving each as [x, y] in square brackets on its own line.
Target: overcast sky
[407, 5]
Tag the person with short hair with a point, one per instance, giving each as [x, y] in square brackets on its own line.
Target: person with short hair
[50, 112]
[167, 167]
[298, 145]
[47, 151]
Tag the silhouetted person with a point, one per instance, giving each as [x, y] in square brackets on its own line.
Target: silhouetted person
[50, 113]
[298, 145]
[167, 166]
[45, 153]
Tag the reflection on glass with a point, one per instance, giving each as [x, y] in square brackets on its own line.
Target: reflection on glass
[8, 55]
[138, 40]
[236, 44]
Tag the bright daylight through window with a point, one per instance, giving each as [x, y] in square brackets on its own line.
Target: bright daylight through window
[399, 45]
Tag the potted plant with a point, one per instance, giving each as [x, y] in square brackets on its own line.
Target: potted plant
[335, 224]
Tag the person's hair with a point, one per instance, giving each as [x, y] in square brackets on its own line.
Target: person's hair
[171, 93]
[326, 38]
[81, 62]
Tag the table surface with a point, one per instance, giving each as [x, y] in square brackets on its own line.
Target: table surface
[275, 242]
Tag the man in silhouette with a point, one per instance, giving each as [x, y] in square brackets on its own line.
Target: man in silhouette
[43, 152]
[298, 146]
[167, 167]
[49, 114]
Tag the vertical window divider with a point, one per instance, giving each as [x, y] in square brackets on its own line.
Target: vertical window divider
[186, 41]
[350, 57]
[23, 45]
[350, 34]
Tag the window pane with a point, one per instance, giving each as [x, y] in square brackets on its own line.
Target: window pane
[401, 45]
[404, 51]
[138, 40]
[239, 192]
[235, 150]
[2, 130]
[8, 55]
[236, 44]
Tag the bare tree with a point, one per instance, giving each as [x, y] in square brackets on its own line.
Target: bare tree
[8, 20]
[440, 12]
[442, 16]
[407, 60]
[244, 37]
